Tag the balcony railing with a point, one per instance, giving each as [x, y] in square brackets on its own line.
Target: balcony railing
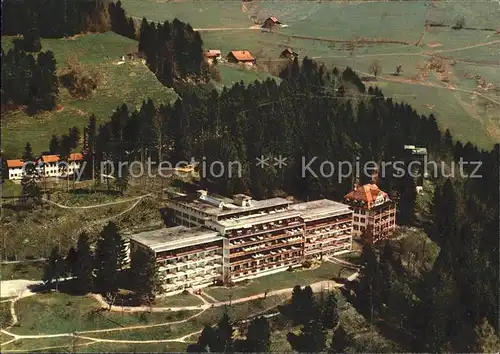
[191, 262]
[234, 235]
[255, 269]
[339, 232]
[193, 272]
[326, 224]
[260, 239]
[185, 253]
[268, 255]
[343, 246]
[294, 240]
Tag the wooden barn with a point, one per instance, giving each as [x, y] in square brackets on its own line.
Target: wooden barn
[288, 53]
[271, 22]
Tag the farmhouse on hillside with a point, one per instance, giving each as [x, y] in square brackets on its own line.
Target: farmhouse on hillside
[16, 170]
[288, 53]
[241, 56]
[271, 22]
[212, 54]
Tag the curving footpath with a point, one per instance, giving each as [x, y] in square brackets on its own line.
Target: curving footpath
[86, 335]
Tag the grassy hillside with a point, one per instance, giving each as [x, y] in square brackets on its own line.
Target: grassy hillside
[131, 82]
[333, 32]
[201, 14]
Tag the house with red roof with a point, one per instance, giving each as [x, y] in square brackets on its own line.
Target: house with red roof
[15, 168]
[52, 166]
[241, 56]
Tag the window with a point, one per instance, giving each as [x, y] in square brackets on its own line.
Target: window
[356, 218]
[362, 228]
[362, 220]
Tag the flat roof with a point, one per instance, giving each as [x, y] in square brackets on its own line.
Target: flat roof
[229, 208]
[248, 221]
[317, 208]
[175, 237]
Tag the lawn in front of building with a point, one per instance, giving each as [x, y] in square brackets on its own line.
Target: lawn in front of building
[177, 300]
[282, 280]
[53, 312]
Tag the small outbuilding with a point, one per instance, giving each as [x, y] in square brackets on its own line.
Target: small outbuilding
[288, 53]
[211, 55]
[271, 22]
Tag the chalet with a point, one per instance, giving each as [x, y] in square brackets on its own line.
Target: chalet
[212, 54]
[271, 22]
[240, 56]
[16, 169]
[288, 53]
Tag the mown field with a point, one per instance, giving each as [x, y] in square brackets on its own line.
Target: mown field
[355, 34]
[131, 83]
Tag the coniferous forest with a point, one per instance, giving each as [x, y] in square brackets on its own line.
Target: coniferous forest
[329, 115]
[173, 51]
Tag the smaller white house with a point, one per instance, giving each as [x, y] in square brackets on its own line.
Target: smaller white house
[211, 55]
[16, 170]
[75, 162]
[49, 166]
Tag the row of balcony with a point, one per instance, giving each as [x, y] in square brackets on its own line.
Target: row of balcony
[190, 271]
[192, 282]
[263, 246]
[253, 231]
[319, 240]
[326, 224]
[186, 263]
[264, 238]
[190, 251]
[283, 252]
[240, 273]
[328, 250]
[186, 267]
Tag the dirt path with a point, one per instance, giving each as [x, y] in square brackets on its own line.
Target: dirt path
[428, 84]
[326, 284]
[468, 47]
[97, 205]
[319, 286]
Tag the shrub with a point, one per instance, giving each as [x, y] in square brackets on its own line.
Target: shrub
[80, 81]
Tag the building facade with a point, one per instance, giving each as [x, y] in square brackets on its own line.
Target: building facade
[374, 215]
[255, 237]
[188, 258]
[327, 227]
[52, 166]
